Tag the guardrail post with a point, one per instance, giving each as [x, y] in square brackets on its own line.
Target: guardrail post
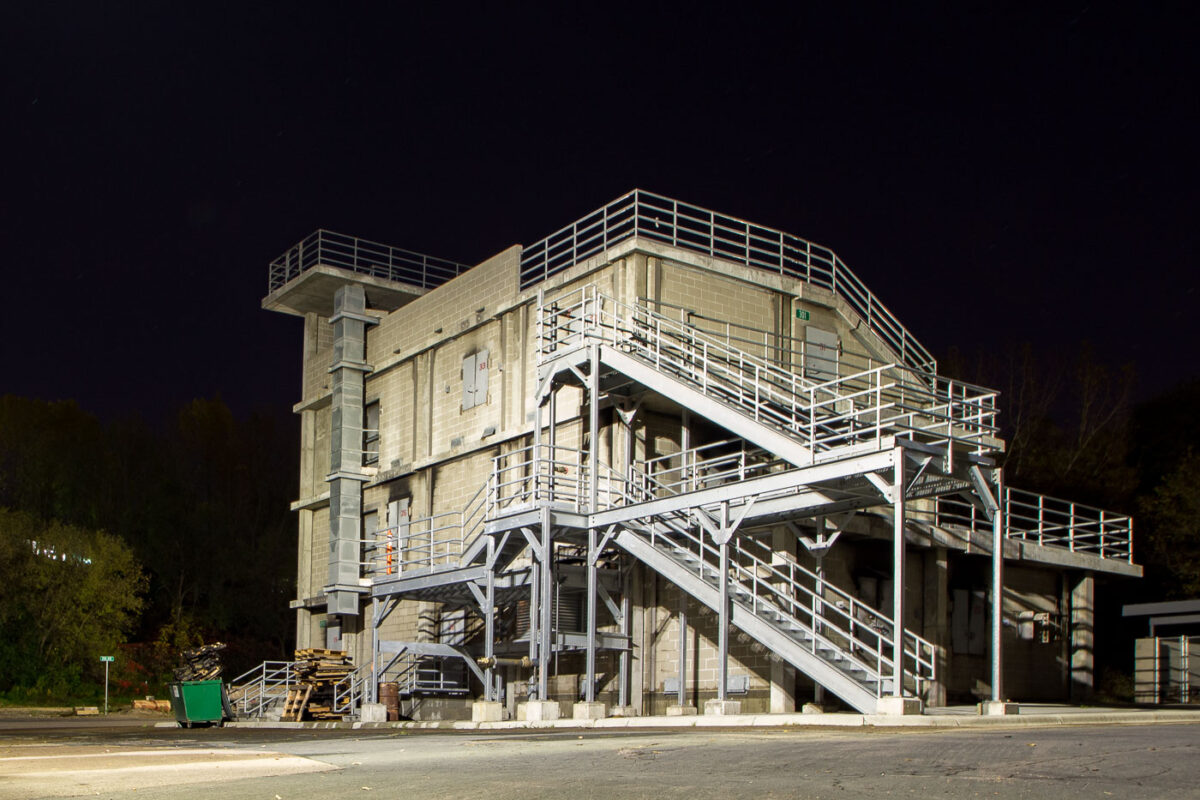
[898, 557]
[1071, 529]
[1102, 533]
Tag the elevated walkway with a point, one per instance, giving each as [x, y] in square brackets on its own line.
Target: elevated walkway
[888, 435]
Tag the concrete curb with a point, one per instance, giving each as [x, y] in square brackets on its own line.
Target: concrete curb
[814, 721]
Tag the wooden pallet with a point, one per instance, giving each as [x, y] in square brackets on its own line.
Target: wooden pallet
[294, 705]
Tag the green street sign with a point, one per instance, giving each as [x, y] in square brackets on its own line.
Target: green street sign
[106, 658]
[802, 314]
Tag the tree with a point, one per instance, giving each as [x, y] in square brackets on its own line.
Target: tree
[1172, 516]
[67, 596]
[1065, 419]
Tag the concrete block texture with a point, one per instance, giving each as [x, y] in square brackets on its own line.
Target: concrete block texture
[373, 712]
[588, 711]
[538, 711]
[681, 711]
[487, 711]
[899, 706]
[723, 707]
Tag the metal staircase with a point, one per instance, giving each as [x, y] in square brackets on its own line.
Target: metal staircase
[791, 423]
[798, 419]
[417, 668]
[260, 691]
[838, 641]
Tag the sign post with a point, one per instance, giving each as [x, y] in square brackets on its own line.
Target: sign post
[107, 660]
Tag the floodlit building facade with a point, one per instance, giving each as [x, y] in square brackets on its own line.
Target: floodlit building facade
[662, 461]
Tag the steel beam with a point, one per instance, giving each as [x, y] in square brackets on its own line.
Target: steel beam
[997, 593]
[723, 632]
[898, 550]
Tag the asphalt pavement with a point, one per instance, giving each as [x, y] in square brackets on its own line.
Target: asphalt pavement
[122, 758]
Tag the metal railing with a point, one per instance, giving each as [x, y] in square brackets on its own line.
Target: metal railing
[836, 620]
[413, 673]
[255, 690]
[427, 544]
[851, 409]
[1046, 521]
[361, 256]
[1172, 670]
[651, 216]
[709, 465]
[774, 585]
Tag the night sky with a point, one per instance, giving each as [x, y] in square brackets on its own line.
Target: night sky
[994, 172]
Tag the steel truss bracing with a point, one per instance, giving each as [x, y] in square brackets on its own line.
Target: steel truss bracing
[799, 453]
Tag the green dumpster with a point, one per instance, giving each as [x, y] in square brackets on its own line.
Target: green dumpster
[199, 701]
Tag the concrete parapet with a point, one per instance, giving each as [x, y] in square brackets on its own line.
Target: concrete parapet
[681, 711]
[624, 711]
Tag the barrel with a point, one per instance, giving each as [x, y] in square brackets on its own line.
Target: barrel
[389, 696]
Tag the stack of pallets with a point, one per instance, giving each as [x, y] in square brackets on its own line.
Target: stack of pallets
[317, 671]
[201, 663]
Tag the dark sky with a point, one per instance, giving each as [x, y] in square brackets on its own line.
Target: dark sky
[994, 172]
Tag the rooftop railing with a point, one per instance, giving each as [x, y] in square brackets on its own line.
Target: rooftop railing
[651, 216]
[361, 256]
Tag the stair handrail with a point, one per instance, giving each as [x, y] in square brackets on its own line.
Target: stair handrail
[349, 691]
[853, 404]
[251, 692]
[855, 614]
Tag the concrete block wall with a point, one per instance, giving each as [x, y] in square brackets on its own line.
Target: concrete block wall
[318, 356]
[417, 352]
[447, 311]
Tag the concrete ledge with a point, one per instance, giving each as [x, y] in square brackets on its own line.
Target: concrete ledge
[999, 708]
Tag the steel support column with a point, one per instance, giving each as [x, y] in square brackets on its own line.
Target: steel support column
[593, 496]
[373, 691]
[682, 647]
[998, 593]
[898, 575]
[535, 612]
[489, 622]
[547, 602]
[592, 555]
[723, 632]
[625, 627]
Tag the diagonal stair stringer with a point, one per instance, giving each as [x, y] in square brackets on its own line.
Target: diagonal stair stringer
[684, 393]
[765, 632]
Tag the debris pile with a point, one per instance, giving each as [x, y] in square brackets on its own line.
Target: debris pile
[200, 663]
[317, 672]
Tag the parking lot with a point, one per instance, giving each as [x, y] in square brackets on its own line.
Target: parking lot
[129, 757]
